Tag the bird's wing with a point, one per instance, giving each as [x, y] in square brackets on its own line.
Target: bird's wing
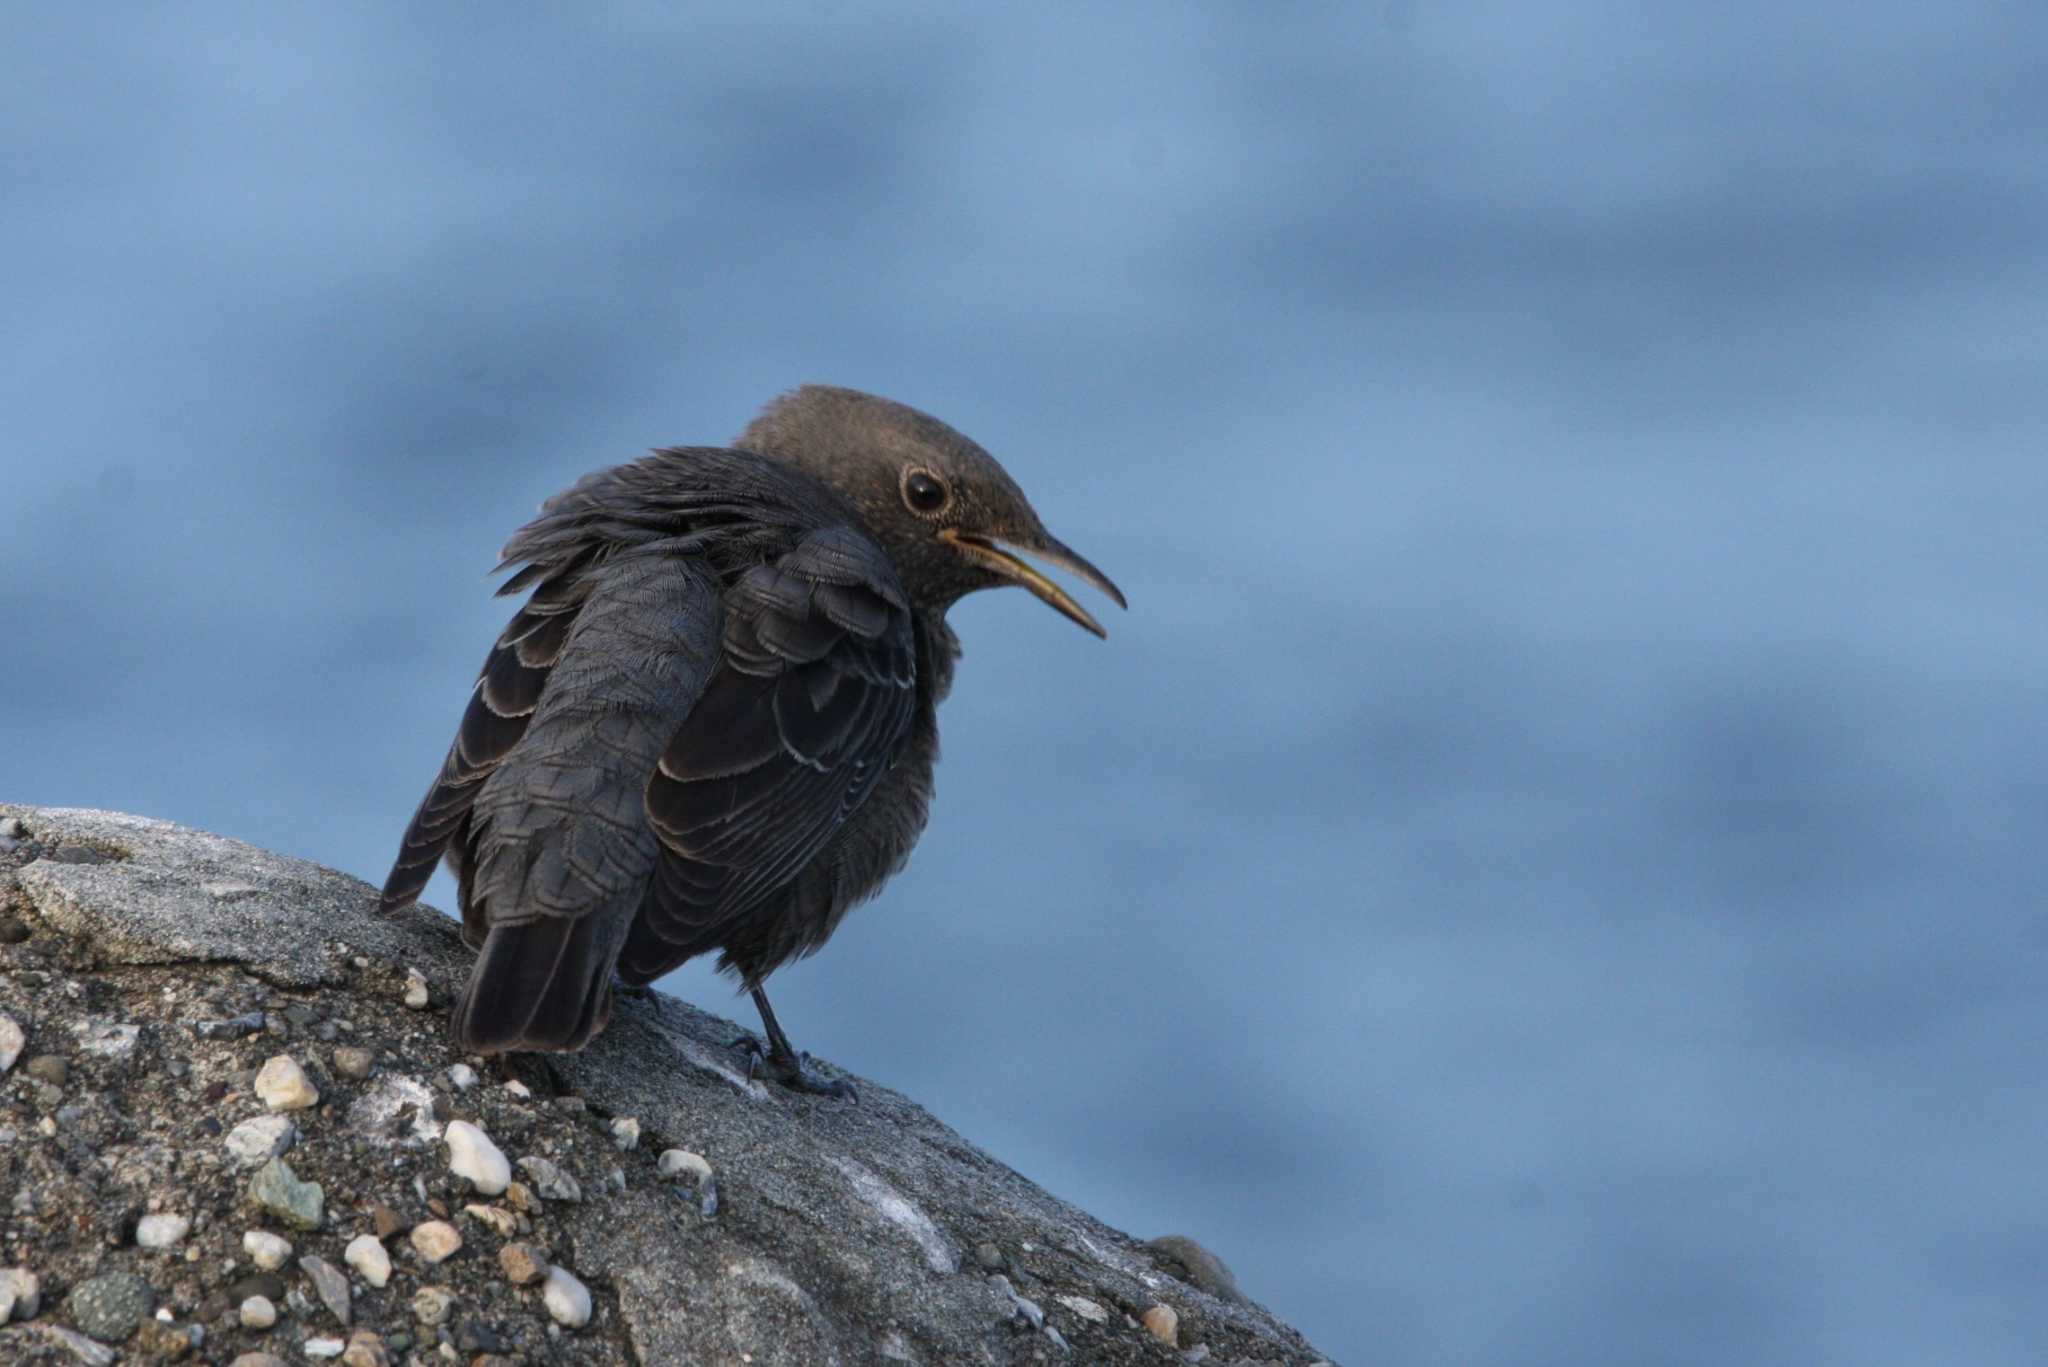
[814, 692]
[507, 691]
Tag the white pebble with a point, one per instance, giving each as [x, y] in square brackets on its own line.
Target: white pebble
[161, 1231]
[258, 1313]
[416, 994]
[471, 1154]
[12, 1039]
[626, 1132]
[677, 1162]
[1086, 1309]
[365, 1253]
[517, 1088]
[284, 1086]
[436, 1240]
[266, 1250]
[255, 1142]
[325, 1348]
[567, 1299]
[462, 1076]
[21, 1294]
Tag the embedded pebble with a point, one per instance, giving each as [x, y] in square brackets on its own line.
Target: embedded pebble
[106, 1039]
[260, 1140]
[416, 994]
[395, 1109]
[471, 1154]
[518, 1088]
[265, 1249]
[365, 1253]
[324, 1348]
[161, 1231]
[549, 1180]
[258, 1360]
[50, 1068]
[431, 1304]
[677, 1162]
[566, 1298]
[21, 1294]
[521, 1263]
[353, 1062]
[461, 1076]
[234, 1027]
[110, 1306]
[332, 1286]
[366, 1349]
[384, 1220]
[626, 1132]
[79, 1346]
[1163, 1323]
[501, 1221]
[257, 1312]
[12, 1040]
[436, 1240]
[1086, 1309]
[284, 1086]
[277, 1189]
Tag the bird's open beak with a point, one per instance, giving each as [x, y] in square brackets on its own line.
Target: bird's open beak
[993, 554]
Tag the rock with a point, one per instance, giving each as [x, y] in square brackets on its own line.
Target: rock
[522, 1263]
[161, 1231]
[283, 1085]
[847, 1215]
[365, 1253]
[384, 1220]
[549, 1180]
[567, 1299]
[21, 1294]
[365, 1349]
[233, 1027]
[277, 1189]
[257, 1313]
[105, 1038]
[268, 1251]
[626, 1133]
[51, 1068]
[257, 1141]
[461, 1077]
[1085, 1308]
[497, 1219]
[78, 1345]
[431, 1304]
[989, 1256]
[258, 1360]
[110, 1306]
[12, 1040]
[352, 1061]
[1163, 1324]
[331, 1286]
[471, 1154]
[435, 1241]
[324, 1348]
[416, 993]
[1180, 1256]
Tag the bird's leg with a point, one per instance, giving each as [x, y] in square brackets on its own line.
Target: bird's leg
[783, 1062]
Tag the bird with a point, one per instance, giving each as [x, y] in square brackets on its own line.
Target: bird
[712, 724]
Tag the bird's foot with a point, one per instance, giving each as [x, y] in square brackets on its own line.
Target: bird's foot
[791, 1070]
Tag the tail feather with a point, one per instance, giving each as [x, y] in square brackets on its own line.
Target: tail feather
[545, 985]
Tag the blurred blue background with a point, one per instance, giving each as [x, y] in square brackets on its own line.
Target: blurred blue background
[1548, 869]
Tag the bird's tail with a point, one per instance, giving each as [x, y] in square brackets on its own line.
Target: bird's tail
[543, 985]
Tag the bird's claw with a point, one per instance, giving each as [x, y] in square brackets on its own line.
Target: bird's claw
[792, 1071]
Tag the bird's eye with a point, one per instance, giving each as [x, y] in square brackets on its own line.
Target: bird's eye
[924, 491]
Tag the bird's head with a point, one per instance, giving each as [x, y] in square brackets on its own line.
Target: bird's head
[950, 517]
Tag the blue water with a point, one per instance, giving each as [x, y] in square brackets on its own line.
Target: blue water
[1546, 870]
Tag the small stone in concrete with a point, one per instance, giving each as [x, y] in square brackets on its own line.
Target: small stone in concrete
[268, 1251]
[499, 1220]
[518, 1088]
[12, 1040]
[324, 1348]
[21, 1294]
[471, 1154]
[258, 1360]
[260, 1140]
[234, 1027]
[549, 1180]
[277, 1189]
[110, 1306]
[1163, 1323]
[522, 1263]
[79, 1346]
[365, 1253]
[50, 1068]
[284, 1086]
[1086, 1309]
[332, 1286]
[352, 1061]
[626, 1132]
[435, 1240]
[384, 1220]
[366, 1349]
[567, 1299]
[416, 994]
[106, 1039]
[257, 1313]
[431, 1304]
[461, 1076]
[161, 1231]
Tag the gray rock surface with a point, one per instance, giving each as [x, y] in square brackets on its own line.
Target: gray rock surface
[839, 1233]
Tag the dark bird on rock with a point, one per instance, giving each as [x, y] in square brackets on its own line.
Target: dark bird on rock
[713, 724]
